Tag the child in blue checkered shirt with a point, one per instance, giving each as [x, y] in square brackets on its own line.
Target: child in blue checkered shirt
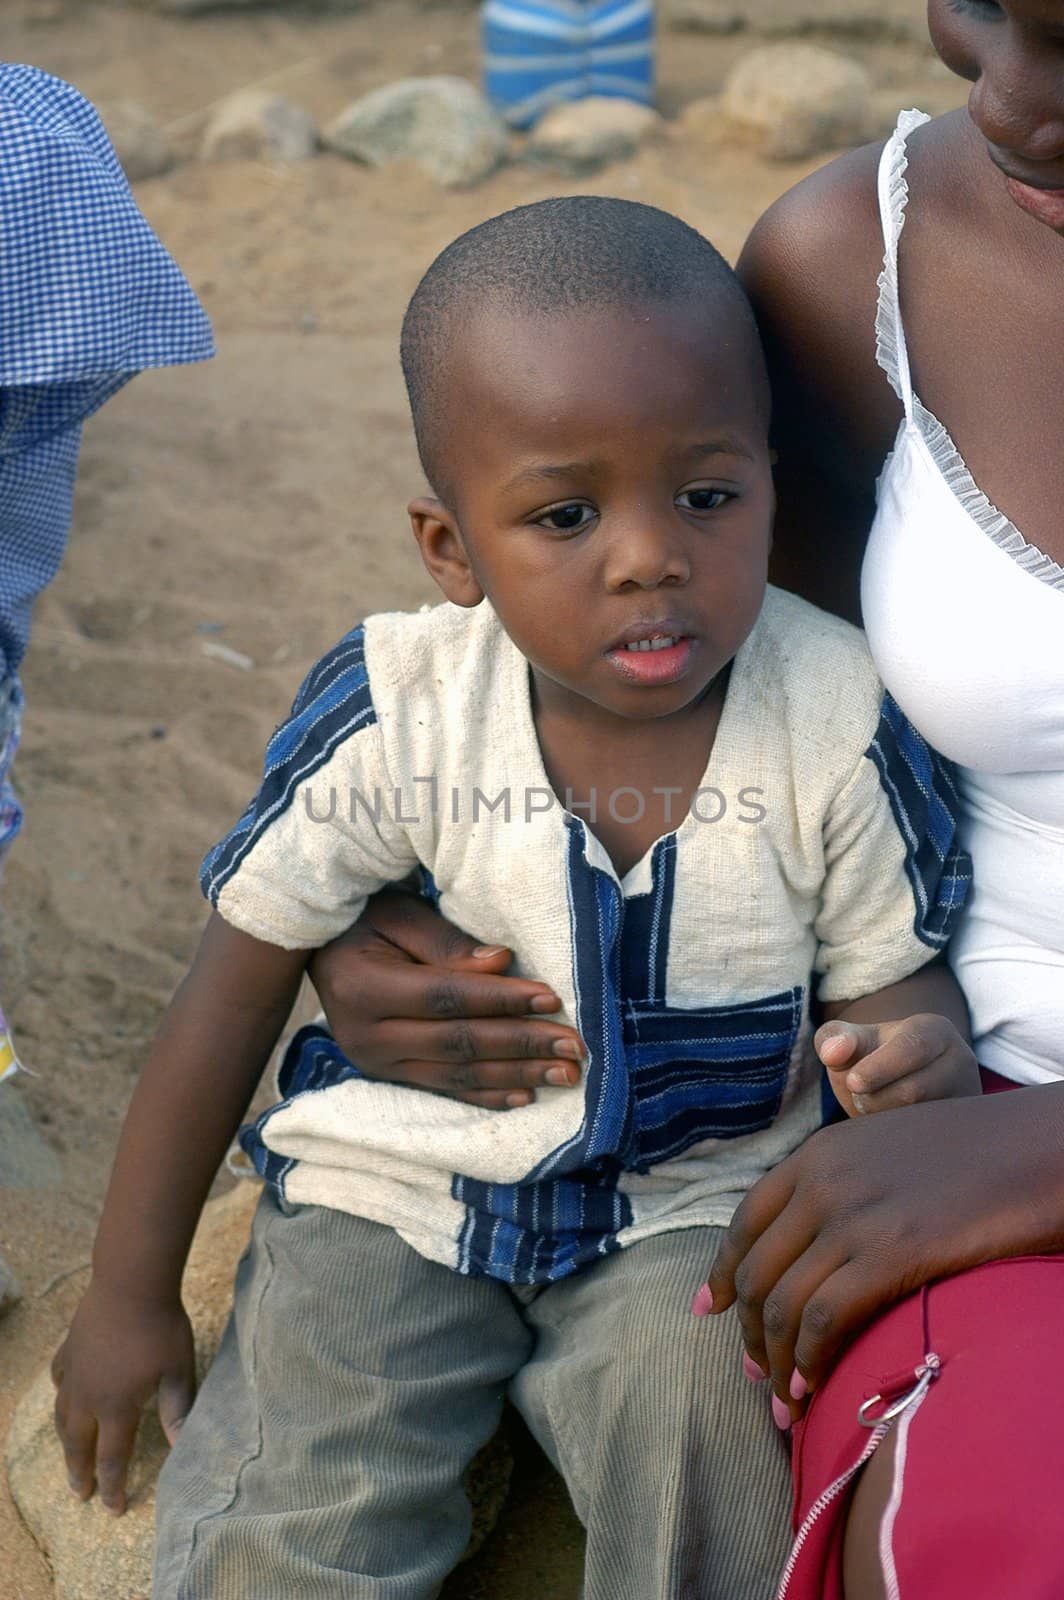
[88, 298]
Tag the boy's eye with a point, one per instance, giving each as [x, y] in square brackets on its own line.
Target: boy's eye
[703, 499]
[567, 518]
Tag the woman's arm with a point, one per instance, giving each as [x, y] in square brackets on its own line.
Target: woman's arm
[414, 1000]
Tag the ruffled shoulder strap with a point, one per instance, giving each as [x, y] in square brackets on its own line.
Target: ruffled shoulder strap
[891, 350]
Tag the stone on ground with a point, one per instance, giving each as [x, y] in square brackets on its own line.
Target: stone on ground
[254, 125]
[27, 1160]
[584, 134]
[797, 100]
[188, 8]
[903, 20]
[94, 1556]
[10, 1290]
[444, 125]
[705, 16]
[140, 144]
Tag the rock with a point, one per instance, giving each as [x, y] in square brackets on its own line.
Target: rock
[705, 16]
[584, 134]
[10, 1289]
[188, 8]
[254, 125]
[444, 125]
[27, 1161]
[887, 20]
[797, 100]
[94, 1556]
[701, 122]
[140, 144]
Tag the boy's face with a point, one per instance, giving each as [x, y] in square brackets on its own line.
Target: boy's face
[610, 492]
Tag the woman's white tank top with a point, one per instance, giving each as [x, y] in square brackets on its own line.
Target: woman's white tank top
[966, 623]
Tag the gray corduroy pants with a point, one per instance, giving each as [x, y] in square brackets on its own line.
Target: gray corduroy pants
[324, 1458]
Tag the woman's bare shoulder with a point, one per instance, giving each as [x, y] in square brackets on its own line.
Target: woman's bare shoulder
[812, 261]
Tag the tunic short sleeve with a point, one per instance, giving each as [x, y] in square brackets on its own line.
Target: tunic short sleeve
[320, 836]
[896, 876]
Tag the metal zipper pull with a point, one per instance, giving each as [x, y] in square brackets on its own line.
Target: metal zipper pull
[899, 1393]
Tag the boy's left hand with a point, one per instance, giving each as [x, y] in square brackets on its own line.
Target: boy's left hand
[877, 1066]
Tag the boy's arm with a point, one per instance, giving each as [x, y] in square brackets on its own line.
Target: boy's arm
[905, 1043]
[130, 1335]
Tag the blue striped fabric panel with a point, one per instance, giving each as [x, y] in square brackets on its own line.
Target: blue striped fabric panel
[539, 52]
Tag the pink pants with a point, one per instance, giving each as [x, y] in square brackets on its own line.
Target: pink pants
[977, 1506]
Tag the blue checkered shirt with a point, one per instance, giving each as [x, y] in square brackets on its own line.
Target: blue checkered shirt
[88, 298]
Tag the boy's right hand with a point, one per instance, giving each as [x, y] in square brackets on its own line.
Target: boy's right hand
[412, 999]
[118, 1354]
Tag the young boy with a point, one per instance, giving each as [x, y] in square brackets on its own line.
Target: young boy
[676, 797]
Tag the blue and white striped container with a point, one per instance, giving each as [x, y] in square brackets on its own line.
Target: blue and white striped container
[539, 52]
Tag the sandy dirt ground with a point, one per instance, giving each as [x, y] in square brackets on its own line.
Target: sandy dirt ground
[255, 502]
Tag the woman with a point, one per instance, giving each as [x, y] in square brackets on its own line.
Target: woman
[963, 590]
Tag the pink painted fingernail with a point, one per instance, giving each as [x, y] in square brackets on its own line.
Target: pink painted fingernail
[751, 1369]
[702, 1304]
[799, 1387]
[780, 1415]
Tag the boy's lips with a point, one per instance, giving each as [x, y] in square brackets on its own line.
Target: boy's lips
[652, 654]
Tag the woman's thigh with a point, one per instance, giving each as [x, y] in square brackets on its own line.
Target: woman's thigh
[965, 1502]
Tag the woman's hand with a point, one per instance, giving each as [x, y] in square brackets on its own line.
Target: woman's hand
[867, 1211]
[118, 1354]
[413, 1000]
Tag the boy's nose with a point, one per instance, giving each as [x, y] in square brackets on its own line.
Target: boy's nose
[645, 556]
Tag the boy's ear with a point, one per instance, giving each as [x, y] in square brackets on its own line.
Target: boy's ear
[443, 551]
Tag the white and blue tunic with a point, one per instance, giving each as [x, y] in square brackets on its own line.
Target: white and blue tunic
[820, 847]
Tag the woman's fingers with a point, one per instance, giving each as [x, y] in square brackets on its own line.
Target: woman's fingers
[415, 927]
[784, 1255]
[413, 999]
[841, 1305]
[760, 1207]
[501, 1043]
[496, 1085]
[800, 1299]
[403, 990]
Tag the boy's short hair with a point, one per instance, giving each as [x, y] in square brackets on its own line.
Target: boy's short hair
[573, 253]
